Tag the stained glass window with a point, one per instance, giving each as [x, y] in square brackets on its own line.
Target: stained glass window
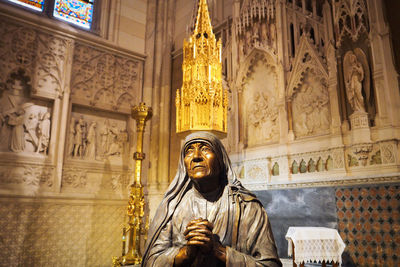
[32, 4]
[78, 12]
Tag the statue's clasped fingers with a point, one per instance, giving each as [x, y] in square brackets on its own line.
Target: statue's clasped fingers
[198, 232]
[199, 241]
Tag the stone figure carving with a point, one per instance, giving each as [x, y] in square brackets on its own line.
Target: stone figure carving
[21, 120]
[16, 121]
[113, 147]
[31, 125]
[91, 141]
[87, 142]
[71, 137]
[198, 221]
[272, 35]
[78, 140]
[104, 137]
[262, 115]
[354, 76]
[311, 107]
[44, 133]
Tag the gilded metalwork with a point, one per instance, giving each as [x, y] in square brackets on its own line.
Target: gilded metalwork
[136, 203]
[202, 103]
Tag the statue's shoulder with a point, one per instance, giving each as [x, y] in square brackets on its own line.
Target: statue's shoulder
[244, 194]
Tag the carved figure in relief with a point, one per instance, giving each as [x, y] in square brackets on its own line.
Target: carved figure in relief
[16, 120]
[256, 35]
[264, 33]
[104, 137]
[91, 138]
[71, 137]
[311, 107]
[115, 144]
[272, 35]
[31, 132]
[19, 118]
[354, 76]
[262, 117]
[44, 133]
[78, 139]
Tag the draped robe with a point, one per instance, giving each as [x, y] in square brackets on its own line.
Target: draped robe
[240, 222]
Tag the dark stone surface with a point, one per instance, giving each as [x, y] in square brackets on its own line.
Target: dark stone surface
[298, 207]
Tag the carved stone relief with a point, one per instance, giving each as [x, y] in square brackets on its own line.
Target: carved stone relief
[371, 154]
[40, 55]
[99, 181]
[256, 170]
[350, 19]
[256, 26]
[105, 80]
[310, 107]
[97, 138]
[74, 178]
[25, 123]
[26, 175]
[308, 92]
[260, 99]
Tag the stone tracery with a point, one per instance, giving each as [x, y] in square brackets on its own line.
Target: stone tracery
[350, 18]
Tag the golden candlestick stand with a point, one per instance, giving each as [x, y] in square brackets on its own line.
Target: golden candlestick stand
[136, 202]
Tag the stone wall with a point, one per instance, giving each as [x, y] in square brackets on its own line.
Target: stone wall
[66, 135]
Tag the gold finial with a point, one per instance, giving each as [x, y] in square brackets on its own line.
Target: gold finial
[201, 103]
[203, 22]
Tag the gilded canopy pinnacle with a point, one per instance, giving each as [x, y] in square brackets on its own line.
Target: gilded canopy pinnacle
[201, 103]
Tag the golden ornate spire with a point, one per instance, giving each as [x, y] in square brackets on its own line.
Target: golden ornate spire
[202, 103]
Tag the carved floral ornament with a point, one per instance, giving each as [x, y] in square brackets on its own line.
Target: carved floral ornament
[350, 18]
[27, 175]
[41, 55]
[105, 80]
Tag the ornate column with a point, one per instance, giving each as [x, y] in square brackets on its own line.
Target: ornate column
[136, 202]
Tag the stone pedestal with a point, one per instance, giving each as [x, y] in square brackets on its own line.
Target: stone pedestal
[360, 131]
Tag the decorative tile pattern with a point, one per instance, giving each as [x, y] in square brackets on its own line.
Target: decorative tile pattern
[369, 224]
[59, 234]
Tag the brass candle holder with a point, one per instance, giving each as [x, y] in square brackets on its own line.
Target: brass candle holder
[136, 202]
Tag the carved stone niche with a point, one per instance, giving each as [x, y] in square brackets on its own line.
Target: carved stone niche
[105, 80]
[259, 100]
[307, 92]
[359, 94]
[97, 137]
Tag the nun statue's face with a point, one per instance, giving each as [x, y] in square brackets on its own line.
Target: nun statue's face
[201, 163]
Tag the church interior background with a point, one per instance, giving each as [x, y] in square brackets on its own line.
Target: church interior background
[313, 120]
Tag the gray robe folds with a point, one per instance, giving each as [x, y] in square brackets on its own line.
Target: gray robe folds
[240, 221]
